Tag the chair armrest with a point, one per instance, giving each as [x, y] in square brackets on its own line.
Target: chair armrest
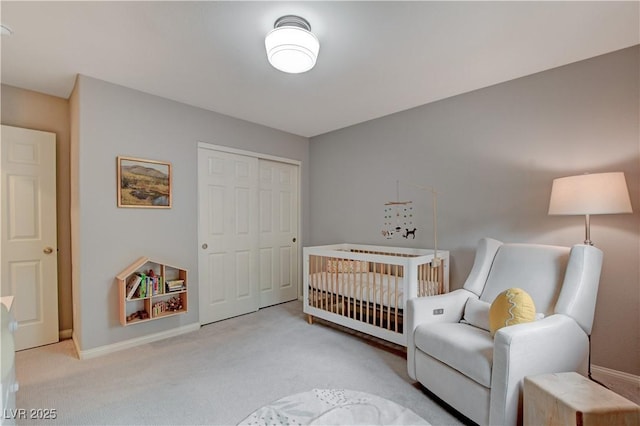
[553, 344]
[420, 310]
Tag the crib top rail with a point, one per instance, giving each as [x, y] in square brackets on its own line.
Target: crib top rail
[381, 254]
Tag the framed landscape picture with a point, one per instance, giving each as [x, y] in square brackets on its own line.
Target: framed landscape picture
[143, 183]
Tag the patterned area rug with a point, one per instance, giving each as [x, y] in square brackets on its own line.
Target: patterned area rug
[333, 407]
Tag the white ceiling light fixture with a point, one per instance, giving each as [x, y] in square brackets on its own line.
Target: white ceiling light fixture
[291, 46]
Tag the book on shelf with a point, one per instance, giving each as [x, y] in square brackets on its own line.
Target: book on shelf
[143, 286]
[132, 286]
[157, 285]
[174, 285]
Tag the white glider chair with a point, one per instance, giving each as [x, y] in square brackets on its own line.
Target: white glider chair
[451, 352]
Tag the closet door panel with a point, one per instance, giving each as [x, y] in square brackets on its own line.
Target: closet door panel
[278, 232]
[228, 233]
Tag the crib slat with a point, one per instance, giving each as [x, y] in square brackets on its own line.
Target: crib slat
[339, 275]
[390, 268]
[325, 287]
[362, 276]
[434, 280]
[334, 277]
[368, 298]
[314, 279]
[340, 281]
[318, 279]
[395, 310]
[319, 282]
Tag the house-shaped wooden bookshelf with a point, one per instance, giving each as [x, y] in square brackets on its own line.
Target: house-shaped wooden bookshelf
[148, 290]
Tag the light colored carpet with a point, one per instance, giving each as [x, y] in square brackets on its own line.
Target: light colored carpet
[217, 375]
[333, 407]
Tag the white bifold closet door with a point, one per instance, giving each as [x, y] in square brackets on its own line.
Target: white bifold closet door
[248, 224]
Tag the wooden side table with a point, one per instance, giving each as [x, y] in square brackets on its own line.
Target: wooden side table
[572, 399]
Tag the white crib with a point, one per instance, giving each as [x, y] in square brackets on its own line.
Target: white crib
[366, 287]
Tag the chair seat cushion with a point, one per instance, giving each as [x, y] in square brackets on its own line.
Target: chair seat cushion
[461, 346]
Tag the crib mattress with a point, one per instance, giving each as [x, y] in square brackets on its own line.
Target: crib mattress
[372, 287]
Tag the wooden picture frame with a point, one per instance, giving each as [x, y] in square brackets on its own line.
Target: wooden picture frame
[144, 183]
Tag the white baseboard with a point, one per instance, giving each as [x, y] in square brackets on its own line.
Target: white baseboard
[615, 375]
[622, 383]
[126, 344]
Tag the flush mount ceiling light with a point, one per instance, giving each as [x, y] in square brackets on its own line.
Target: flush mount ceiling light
[291, 46]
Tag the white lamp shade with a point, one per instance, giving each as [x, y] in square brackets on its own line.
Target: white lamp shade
[291, 49]
[589, 194]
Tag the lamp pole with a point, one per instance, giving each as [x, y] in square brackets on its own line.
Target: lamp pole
[587, 231]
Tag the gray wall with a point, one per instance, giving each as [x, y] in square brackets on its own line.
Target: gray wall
[33, 110]
[110, 121]
[492, 155]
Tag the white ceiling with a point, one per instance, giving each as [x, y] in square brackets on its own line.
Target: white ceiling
[376, 58]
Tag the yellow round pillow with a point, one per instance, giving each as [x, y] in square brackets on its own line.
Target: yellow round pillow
[512, 306]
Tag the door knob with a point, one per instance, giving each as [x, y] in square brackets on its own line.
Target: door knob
[205, 246]
[294, 239]
[47, 250]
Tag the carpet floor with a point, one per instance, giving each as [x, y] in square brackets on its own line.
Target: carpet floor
[217, 375]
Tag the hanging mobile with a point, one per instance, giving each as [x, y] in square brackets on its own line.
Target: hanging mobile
[393, 209]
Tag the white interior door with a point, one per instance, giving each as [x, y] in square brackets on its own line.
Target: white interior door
[228, 233]
[278, 232]
[29, 266]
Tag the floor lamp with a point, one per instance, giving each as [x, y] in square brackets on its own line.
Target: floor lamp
[590, 194]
